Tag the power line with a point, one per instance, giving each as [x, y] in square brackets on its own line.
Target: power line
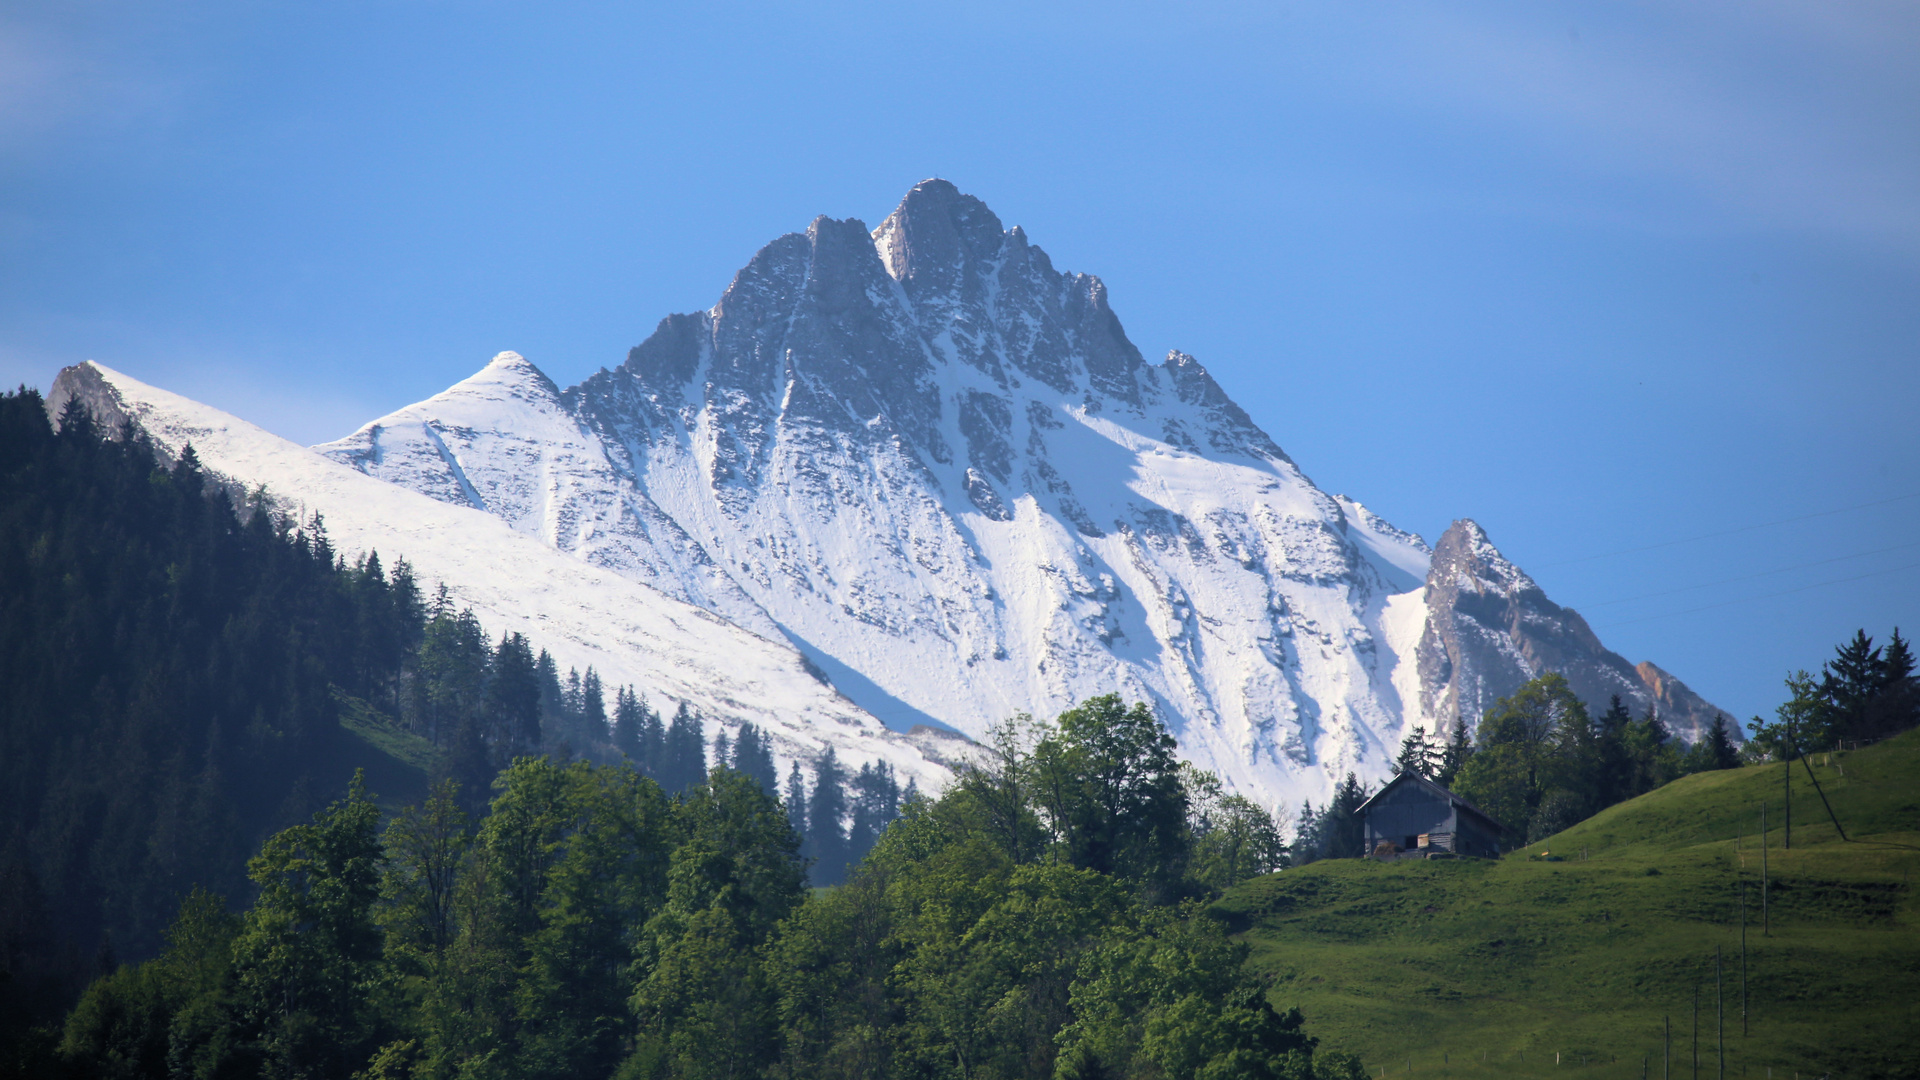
[1729, 532]
[1764, 596]
[1746, 577]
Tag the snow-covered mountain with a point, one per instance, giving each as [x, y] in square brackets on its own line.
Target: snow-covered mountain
[937, 467]
[585, 615]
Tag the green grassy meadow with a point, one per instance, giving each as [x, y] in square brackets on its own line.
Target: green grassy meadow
[1477, 968]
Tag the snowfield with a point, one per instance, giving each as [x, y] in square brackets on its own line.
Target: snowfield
[935, 467]
[585, 616]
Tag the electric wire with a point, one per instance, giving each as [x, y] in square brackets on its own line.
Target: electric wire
[1730, 532]
[1744, 577]
[1763, 596]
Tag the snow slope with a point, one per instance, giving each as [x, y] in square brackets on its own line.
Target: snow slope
[938, 467]
[585, 615]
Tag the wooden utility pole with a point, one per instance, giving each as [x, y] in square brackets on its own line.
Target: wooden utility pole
[1766, 924]
[1666, 1052]
[1743, 959]
[1719, 1019]
[1787, 786]
[1696, 1031]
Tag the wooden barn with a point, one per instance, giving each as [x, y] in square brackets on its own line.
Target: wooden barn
[1418, 817]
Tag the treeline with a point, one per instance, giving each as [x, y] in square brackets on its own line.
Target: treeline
[177, 670]
[1540, 762]
[1040, 919]
[1865, 693]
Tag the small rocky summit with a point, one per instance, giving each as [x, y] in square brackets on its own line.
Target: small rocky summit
[937, 466]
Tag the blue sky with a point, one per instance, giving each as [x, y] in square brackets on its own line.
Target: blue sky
[1637, 286]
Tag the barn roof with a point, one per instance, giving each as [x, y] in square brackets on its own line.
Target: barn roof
[1432, 789]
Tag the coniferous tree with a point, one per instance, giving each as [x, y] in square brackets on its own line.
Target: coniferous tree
[1344, 831]
[1305, 847]
[1896, 707]
[722, 750]
[1651, 758]
[593, 710]
[513, 700]
[876, 802]
[796, 801]
[684, 752]
[553, 701]
[1720, 741]
[754, 756]
[626, 726]
[1459, 748]
[1613, 768]
[1418, 754]
[826, 835]
[653, 740]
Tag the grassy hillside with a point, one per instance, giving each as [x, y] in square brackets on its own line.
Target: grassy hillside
[1483, 968]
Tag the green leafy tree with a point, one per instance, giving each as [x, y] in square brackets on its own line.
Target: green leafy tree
[427, 851]
[1109, 786]
[1169, 996]
[309, 950]
[704, 1002]
[571, 1002]
[129, 1021]
[1526, 743]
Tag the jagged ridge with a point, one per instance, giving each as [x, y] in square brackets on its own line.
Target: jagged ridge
[939, 468]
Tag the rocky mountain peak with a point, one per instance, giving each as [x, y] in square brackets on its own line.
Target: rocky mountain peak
[939, 468]
[937, 235]
[511, 373]
[1467, 554]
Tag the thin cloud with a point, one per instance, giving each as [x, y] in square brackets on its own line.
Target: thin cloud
[1773, 116]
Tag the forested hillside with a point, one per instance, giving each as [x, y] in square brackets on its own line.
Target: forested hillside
[184, 677]
[1042, 919]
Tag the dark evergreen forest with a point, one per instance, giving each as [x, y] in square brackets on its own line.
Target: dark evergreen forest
[185, 677]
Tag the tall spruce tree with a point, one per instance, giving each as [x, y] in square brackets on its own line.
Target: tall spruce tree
[593, 710]
[876, 802]
[684, 761]
[826, 839]
[1344, 832]
[753, 755]
[1418, 755]
[796, 801]
[626, 726]
[1454, 757]
[513, 700]
[653, 741]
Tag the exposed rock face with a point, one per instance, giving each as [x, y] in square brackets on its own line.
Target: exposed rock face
[1685, 713]
[1490, 628]
[938, 467]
